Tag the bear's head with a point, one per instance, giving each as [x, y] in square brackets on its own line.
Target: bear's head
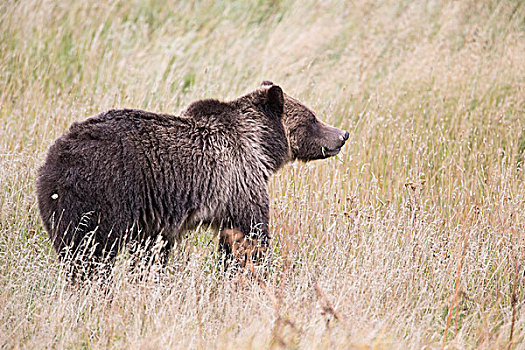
[309, 138]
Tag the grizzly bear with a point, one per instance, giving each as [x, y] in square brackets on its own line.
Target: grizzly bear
[131, 175]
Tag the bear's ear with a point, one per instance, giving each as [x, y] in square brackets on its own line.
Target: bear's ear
[275, 99]
[266, 83]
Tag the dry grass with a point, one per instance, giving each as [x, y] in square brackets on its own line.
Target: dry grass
[414, 237]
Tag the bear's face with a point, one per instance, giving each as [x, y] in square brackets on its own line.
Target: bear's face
[309, 137]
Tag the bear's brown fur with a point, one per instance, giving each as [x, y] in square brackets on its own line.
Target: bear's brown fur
[128, 175]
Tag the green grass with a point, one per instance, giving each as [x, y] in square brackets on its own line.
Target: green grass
[414, 234]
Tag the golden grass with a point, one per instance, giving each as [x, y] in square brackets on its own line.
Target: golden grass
[413, 238]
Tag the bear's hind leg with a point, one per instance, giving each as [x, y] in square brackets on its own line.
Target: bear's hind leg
[148, 255]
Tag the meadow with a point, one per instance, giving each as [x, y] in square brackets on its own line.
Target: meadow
[412, 238]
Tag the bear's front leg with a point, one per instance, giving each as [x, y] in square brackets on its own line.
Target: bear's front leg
[244, 243]
[241, 251]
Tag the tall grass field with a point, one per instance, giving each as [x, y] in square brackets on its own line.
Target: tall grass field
[412, 238]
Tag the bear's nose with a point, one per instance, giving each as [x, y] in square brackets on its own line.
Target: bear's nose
[345, 136]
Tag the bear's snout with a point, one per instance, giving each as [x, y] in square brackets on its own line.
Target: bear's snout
[344, 136]
[333, 140]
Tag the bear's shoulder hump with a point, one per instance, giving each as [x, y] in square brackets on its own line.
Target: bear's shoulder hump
[206, 107]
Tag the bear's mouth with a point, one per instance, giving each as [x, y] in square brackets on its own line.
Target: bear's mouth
[327, 152]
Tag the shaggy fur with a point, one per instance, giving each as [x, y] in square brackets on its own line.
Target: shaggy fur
[132, 175]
